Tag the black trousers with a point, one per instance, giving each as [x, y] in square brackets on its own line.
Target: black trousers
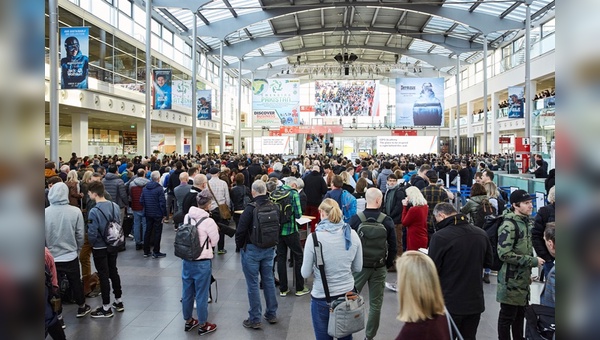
[106, 265]
[71, 269]
[56, 332]
[215, 215]
[293, 243]
[467, 325]
[153, 225]
[511, 320]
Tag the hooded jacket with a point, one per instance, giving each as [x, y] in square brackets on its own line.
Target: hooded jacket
[97, 222]
[153, 200]
[64, 226]
[114, 185]
[382, 179]
[207, 229]
[135, 192]
[470, 209]
[315, 188]
[460, 251]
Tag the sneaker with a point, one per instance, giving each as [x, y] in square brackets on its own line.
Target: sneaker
[101, 313]
[83, 311]
[158, 255]
[272, 320]
[303, 292]
[207, 328]
[118, 306]
[249, 324]
[139, 246]
[146, 254]
[191, 325]
[486, 278]
[62, 323]
[284, 294]
[222, 252]
[391, 286]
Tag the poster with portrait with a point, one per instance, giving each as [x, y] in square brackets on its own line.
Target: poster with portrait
[343, 98]
[419, 101]
[182, 93]
[161, 89]
[515, 102]
[204, 105]
[278, 96]
[74, 62]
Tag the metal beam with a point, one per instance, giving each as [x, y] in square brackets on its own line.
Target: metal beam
[297, 22]
[542, 10]
[345, 16]
[389, 40]
[475, 5]
[449, 30]
[352, 16]
[510, 9]
[367, 39]
[401, 20]
[203, 18]
[474, 37]
[483, 22]
[425, 24]
[431, 49]
[248, 34]
[192, 5]
[322, 18]
[374, 17]
[228, 5]
[174, 19]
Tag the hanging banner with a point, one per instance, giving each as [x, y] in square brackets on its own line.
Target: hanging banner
[276, 102]
[161, 89]
[415, 145]
[515, 102]
[275, 145]
[418, 101]
[346, 98]
[157, 140]
[182, 93]
[204, 104]
[74, 64]
[404, 132]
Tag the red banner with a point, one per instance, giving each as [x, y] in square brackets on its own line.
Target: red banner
[274, 133]
[307, 108]
[504, 140]
[404, 132]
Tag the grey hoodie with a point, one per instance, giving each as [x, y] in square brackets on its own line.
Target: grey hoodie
[64, 225]
[137, 182]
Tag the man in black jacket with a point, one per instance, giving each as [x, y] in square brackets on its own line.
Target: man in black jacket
[254, 169]
[392, 206]
[174, 182]
[190, 198]
[314, 187]
[460, 251]
[420, 180]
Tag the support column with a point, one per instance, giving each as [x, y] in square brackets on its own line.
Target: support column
[221, 106]
[527, 101]
[53, 31]
[470, 119]
[141, 140]
[179, 140]
[147, 147]
[495, 128]
[251, 116]
[485, 95]
[194, 84]
[458, 104]
[238, 135]
[79, 133]
[205, 147]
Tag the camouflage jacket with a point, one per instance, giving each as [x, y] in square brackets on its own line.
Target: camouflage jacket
[515, 249]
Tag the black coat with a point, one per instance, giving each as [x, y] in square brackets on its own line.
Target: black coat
[244, 227]
[419, 182]
[237, 194]
[544, 215]
[550, 180]
[389, 226]
[254, 170]
[460, 251]
[465, 177]
[315, 187]
[303, 199]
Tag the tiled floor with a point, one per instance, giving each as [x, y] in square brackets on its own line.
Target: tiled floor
[152, 289]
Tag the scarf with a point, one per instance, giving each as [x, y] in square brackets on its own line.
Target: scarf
[326, 225]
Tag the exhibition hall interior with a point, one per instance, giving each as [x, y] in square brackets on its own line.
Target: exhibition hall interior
[291, 77]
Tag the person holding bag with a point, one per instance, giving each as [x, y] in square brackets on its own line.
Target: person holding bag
[341, 251]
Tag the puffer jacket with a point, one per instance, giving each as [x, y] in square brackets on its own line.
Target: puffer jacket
[153, 200]
[114, 185]
[515, 249]
[207, 229]
[470, 209]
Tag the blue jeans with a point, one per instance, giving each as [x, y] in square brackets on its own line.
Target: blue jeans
[319, 310]
[139, 227]
[257, 260]
[195, 276]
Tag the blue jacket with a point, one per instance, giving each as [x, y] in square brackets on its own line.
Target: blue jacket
[97, 222]
[153, 200]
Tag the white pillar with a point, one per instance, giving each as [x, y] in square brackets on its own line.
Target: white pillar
[495, 127]
[451, 112]
[179, 140]
[141, 140]
[205, 142]
[470, 119]
[79, 133]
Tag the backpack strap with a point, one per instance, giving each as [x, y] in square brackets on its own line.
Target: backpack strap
[205, 244]
[381, 217]
[320, 260]
[107, 221]
[362, 216]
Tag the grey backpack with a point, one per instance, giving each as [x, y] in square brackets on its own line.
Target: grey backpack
[187, 241]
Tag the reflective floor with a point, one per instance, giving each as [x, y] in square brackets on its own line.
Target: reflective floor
[152, 289]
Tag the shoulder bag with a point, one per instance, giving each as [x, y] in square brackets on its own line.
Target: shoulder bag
[223, 208]
[346, 313]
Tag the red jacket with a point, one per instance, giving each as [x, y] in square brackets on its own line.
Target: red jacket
[136, 192]
[415, 221]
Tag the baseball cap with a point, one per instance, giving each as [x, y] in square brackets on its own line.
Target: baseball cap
[518, 196]
[213, 170]
[432, 175]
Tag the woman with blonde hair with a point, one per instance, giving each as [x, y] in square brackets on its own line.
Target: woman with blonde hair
[346, 182]
[342, 255]
[74, 189]
[414, 219]
[420, 299]
[83, 185]
[493, 196]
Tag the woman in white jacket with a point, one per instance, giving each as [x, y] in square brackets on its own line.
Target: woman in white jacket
[196, 274]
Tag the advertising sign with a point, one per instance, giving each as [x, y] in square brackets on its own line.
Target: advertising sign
[182, 93]
[276, 102]
[515, 102]
[275, 145]
[395, 145]
[161, 88]
[346, 98]
[74, 62]
[204, 105]
[157, 140]
[404, 132]
[419, 101]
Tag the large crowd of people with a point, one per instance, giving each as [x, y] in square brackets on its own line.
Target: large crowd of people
[406, 196]
[335, 98]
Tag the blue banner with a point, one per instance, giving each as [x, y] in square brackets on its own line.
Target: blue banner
[204, 105]
[161, 88]
[74, 62]
[515, 102]
[419, 101]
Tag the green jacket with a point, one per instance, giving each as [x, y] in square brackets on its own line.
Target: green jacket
[470, 209]
[515, 249]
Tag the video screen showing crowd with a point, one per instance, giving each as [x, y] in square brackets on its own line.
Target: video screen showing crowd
[355, 207]
[344, 98]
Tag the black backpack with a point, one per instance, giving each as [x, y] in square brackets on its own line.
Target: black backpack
[484, 209]
[282, 198]
[373, 236]
[187, 241]
[541, 323]
[265, 226]
[114, 237]
[491, 225]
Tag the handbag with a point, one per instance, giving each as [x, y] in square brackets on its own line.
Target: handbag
[452, 328]
[346, 313]
[223, 208]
